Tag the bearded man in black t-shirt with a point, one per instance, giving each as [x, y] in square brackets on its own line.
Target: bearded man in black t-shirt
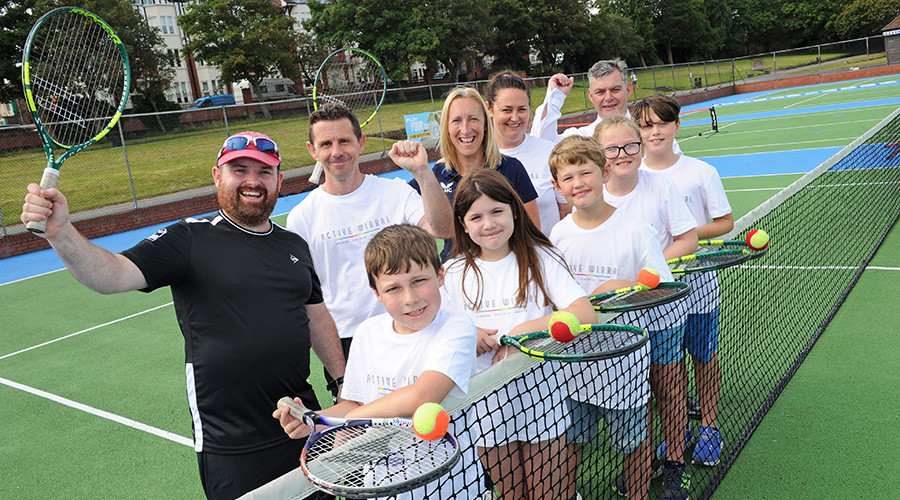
[248, 302]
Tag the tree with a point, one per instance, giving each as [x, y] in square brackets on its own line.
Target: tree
[246, 39]
[381, 27]
[681, 27]
[811, 21]
[15, 22]
[449, 31]
[866, 17]
[613, 36]
[562, 32]
[513, 28]
[309, 55]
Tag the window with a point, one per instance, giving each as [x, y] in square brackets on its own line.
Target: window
[171, 23]
[279, 87]
[205, 89]
[184, 93]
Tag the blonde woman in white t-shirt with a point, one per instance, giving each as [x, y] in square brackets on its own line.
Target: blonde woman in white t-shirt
[508, 277]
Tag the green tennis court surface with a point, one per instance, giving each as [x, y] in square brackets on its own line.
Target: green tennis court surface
[92, 394]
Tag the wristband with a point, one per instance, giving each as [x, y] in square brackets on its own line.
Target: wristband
[333, 385]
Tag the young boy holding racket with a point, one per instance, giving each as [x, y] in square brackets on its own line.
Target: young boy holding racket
[605, 249]
[699, 183]
[414, 353]
[657, 201]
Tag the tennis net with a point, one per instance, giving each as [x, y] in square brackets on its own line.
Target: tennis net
[538, 443]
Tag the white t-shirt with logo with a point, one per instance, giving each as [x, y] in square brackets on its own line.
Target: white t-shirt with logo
[656, 201]
[382, 361]
[338, 228]
[704, 195]
[531, 408]
[617, 249]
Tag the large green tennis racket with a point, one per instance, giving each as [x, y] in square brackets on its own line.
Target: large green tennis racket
[77, 78]
[591, 343]
[354, 78]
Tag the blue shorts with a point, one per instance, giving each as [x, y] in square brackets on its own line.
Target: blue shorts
[627, 428]
[701, 335]
[667, 346]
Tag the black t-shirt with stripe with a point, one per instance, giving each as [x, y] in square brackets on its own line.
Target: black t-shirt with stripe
[240, 301]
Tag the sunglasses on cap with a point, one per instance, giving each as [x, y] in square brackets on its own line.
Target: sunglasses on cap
[241, 142]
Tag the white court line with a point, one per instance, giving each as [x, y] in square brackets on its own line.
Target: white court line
[754, 189]
[825, 268]
[85, 330]
[33, 276]
[101, 413]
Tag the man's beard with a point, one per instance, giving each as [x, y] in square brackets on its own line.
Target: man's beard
[247, 214]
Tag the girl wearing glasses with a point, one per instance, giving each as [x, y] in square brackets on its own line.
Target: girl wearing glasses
[655, 199]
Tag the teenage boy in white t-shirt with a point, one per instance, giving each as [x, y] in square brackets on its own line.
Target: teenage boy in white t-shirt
[605, 249]
[655, 200]
[414, 354]
[699, 183]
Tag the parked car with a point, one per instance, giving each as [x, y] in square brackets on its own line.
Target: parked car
[213, 101]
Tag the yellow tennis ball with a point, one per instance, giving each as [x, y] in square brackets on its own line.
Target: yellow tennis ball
[564, 326]
[648, 277]
[757, 239]
[430, 421]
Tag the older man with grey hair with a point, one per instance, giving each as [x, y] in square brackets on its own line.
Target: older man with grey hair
[609, 92]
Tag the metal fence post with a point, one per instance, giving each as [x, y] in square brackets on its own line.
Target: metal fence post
[127, 164]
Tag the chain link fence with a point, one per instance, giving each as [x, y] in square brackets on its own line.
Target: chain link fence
[151, 159]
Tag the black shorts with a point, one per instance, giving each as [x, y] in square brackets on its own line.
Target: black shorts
[227, 477]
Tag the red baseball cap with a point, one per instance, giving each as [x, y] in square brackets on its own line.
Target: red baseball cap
[250, 145]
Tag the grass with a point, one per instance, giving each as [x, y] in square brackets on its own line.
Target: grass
[165, 163]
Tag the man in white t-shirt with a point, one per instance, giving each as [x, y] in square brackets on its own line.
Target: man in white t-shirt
[340, 217]
[609, 91]
[414, 354]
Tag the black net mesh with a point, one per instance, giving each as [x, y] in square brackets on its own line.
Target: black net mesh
[535, 436]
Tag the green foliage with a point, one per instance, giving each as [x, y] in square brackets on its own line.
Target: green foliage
[15, 22]
[562, 29]
[511, 33]
[146, 52]
[245, 39]
[450, 31]
[866, 17]
[378, 26]
[811, 21]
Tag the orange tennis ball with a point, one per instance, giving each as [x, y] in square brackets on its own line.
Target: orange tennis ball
[648, 277]
[757, 239]
[430, 421]
[564, 326]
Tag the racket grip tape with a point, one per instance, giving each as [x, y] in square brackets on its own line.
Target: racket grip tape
[298, 411]
[48, 181]
[316, 174]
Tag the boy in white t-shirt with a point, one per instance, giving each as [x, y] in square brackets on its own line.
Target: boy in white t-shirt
[699, 183]
[605, 249]
[415, 353]
[655, 200]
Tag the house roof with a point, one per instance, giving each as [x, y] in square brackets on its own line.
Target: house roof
[893, 25]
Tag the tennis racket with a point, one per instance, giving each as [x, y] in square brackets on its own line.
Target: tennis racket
[732, 244]
[639, 297]
[603, 342]
[352, 77]
[76, 78]
[366, 458]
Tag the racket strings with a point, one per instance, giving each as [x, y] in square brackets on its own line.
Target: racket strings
[354, 80]
[364, 457]
[637, 298]
[602, 339]
[77, 77]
